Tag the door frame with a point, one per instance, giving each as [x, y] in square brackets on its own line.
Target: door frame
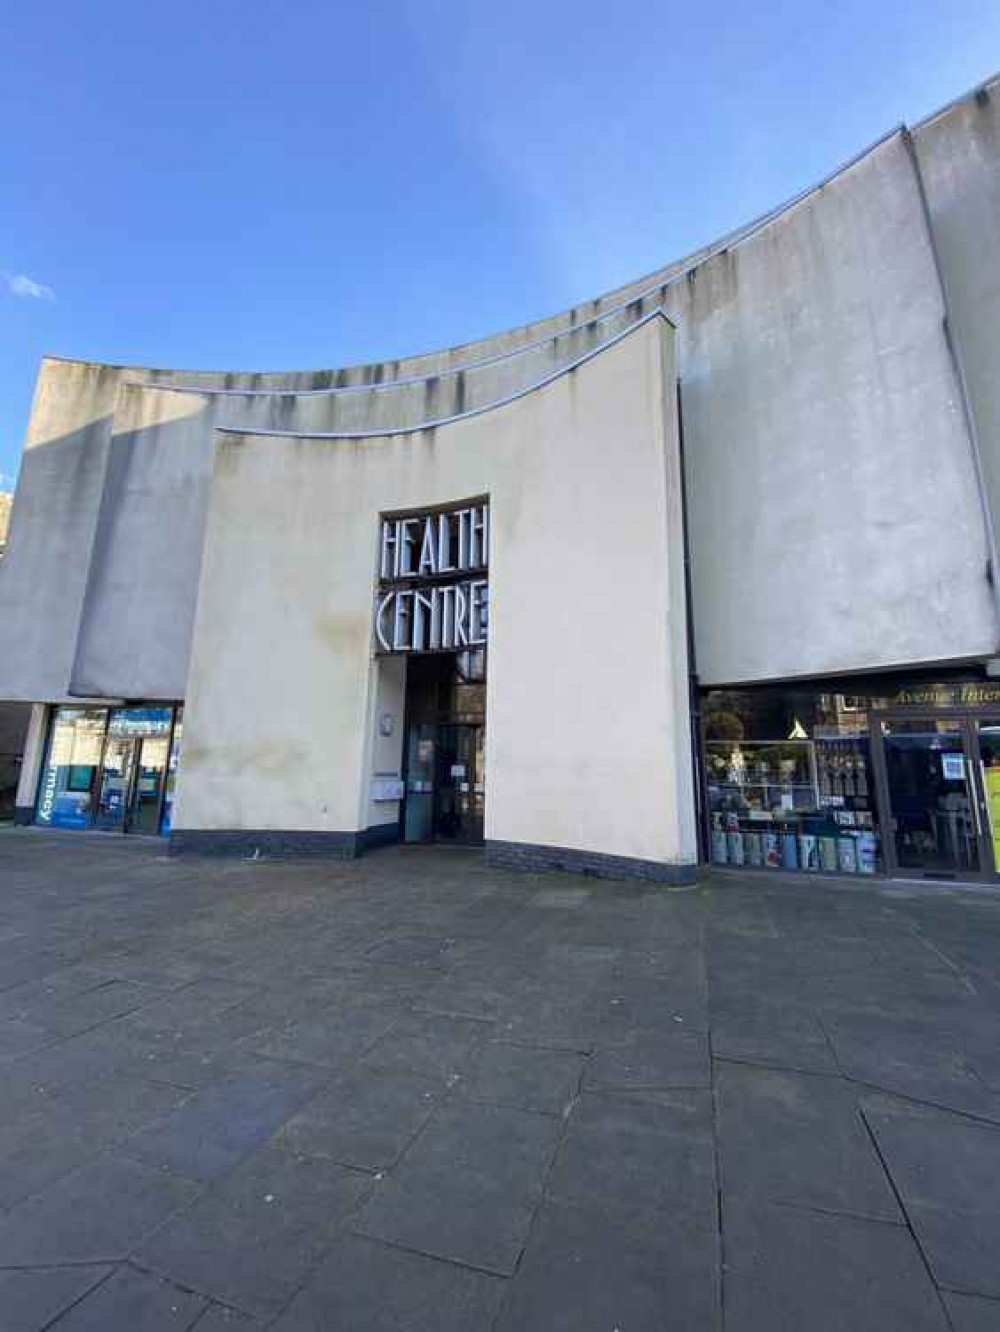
[964, 721]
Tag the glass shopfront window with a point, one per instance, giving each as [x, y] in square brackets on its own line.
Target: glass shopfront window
[790, 782]
[66, 791]
[171, 783]
[114, 770]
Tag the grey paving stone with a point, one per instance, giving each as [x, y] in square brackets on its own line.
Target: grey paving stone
[18, 1036]
[522, 1077]
[364, 1286]
[798, 1138]
[98, 1212]
[780, 1035]
[134, 1300]
[428, 1043]
[467, 1188]
[787, 1267]
[676, 1057]
[218, 1126]
[582, 1272]
[947, 1171]
[251, 1240]
[637, 1159]
[413, 950]
[364, 1120]
[220, 1318]
[31, 1298]
[970, 1313]
[920, 1059]
[334, 1038]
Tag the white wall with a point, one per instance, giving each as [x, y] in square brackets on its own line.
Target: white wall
[835, 518]
[588, 736]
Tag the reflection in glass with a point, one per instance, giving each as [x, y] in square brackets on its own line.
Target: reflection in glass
[171, 780]
[989, 752]
[931, 801]
[65, 793]
[116, 774]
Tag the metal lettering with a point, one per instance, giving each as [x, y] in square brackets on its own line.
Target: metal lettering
[444, 544]
[380, 621]
[402, 616]
[428, 553]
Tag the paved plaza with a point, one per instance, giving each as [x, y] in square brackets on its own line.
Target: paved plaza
[410, 1092]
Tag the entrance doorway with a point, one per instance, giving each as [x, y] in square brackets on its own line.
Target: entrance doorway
[939, 780]
[131, 787]
[446, 749]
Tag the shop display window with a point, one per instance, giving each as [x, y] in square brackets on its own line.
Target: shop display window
[66, 791]
[790, 781]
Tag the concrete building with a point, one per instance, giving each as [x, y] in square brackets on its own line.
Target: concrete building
[701, 569]
[14, 717]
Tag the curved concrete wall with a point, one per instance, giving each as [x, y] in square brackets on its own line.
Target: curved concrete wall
[590, 754]
[836, 520]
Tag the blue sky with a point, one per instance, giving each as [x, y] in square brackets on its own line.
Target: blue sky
[275, 185]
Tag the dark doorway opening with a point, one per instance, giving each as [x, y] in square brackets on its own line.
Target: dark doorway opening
[446, 748]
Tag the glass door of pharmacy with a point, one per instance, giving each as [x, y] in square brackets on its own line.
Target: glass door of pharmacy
[932, 797]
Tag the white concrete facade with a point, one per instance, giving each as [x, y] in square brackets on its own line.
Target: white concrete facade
[840, 416]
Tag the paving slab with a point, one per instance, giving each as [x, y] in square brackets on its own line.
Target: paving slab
[788, 1267]
[467, 1188]
[970, 1313]
[134, 1300]
[583, 1272]
[32, 1298]
[98, 1212]
[799, 1138]
[522, 1077]
[365, 1286]
[366, 1120]
[430, 1044]
[781, 1035]
[638, 1159]
[215, 1128]
[947, 1171]
[251, 1240]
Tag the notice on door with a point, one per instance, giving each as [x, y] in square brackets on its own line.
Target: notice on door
[952, 767]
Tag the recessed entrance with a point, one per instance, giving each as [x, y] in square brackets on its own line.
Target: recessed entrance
[445, 760]
[940, 778]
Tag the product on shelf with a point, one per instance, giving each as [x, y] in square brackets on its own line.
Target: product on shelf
[789, 851]
[866, 853]
[828, 853]
[847, 856]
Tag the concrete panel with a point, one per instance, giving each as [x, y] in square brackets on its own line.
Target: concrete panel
[135, 633]
[44, 569]
[959, 156]
[835, 520]
[586, 567]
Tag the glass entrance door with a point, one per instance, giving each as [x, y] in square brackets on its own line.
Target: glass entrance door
[459, 784]
[147, 790]
[130, 791]
[934, 809]
[446, 783]
[115, 785]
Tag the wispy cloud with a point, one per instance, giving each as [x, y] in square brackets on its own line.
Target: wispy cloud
[19, 284]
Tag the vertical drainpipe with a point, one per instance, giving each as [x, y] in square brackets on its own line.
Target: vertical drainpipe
[954, 346]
